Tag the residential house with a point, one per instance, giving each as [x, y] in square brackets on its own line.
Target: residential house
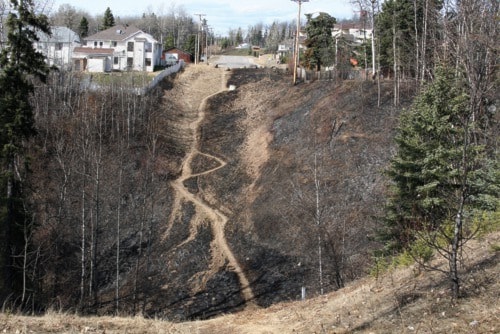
[355, 32]
[284, 50]
[58, 47]
[120, 48]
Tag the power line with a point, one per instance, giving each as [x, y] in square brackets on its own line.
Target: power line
[296, 51]
[197, 51]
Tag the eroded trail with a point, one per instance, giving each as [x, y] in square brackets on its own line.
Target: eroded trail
[200, 89]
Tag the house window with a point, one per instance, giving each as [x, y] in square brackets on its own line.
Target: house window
[148, 47]
[130, 46]
[95, 43]
[115, 60]
[130, 62]
[100, 44]
[114, 44]
[59, 46]
[148, 62]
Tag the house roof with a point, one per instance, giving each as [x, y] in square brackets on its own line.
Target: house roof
[94, 51]
[174, 50]
[117, 33]
[347, 26]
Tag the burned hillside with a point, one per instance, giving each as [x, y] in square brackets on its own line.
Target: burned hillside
[197, 200]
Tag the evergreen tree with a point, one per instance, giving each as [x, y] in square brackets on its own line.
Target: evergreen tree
[396, 27]
[169, 42]
[83, 28]
[190, 45]
[320, 44]
[108, 20]
[440, 175]
[408, 31]
[20, 63]
[239, 36]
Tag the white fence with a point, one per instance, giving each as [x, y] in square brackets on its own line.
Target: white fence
[168, 71]
[88, 84]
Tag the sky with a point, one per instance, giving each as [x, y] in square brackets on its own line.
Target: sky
[221, 15]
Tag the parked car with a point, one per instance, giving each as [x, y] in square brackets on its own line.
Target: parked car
[170, 60]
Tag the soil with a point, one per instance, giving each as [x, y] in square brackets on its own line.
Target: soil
[238, 159]
[197, 85]
[239, 244]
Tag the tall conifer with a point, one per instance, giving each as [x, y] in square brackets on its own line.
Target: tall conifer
[440, 175]
[108, 20]
[20, 64]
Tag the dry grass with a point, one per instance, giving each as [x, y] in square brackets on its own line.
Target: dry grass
[401, 301]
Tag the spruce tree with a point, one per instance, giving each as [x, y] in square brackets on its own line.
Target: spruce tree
[108, 20]
[396, 26]
[83, 28]
[320, 44]
[20, 64]
[440, 174]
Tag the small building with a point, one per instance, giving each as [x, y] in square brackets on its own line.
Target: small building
[120, 48]
[178, 54]
[284, 50]
[58, 48]
[93, 60]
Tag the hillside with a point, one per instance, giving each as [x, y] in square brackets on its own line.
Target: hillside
[197, 201]
[218, 192]
[405, 300]
[241, 228]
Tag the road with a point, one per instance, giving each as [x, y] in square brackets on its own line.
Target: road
[232, 61]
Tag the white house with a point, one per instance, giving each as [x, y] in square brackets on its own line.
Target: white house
[120, 48]
[58, 48]
[352, 31]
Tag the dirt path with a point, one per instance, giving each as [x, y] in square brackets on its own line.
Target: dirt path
[198, 91]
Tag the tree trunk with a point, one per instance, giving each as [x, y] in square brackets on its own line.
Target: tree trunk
[83, 248]
[9, 221]
[455, 248]
[318, 223]
[118, 226]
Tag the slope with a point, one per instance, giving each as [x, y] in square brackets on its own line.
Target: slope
[220, 251]
[243, 168]
[404, 300]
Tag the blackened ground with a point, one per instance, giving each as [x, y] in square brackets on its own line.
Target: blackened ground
[329, 131]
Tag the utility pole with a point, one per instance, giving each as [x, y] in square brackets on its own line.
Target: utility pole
[207, 35]
[204, 29]
[296, 51]
[197, 51]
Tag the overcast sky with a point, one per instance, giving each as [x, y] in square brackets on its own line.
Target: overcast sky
[221, 15]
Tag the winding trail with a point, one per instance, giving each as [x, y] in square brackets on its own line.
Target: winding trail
[221, 254]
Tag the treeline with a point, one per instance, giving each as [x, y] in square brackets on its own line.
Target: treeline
[413, 38]
[444, 176]
[174, 27]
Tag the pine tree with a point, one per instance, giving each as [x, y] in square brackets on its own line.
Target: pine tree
[320, 45]
[20, 63]
[108, 20]
[239, 36]
[83, 28]
[440, 175]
